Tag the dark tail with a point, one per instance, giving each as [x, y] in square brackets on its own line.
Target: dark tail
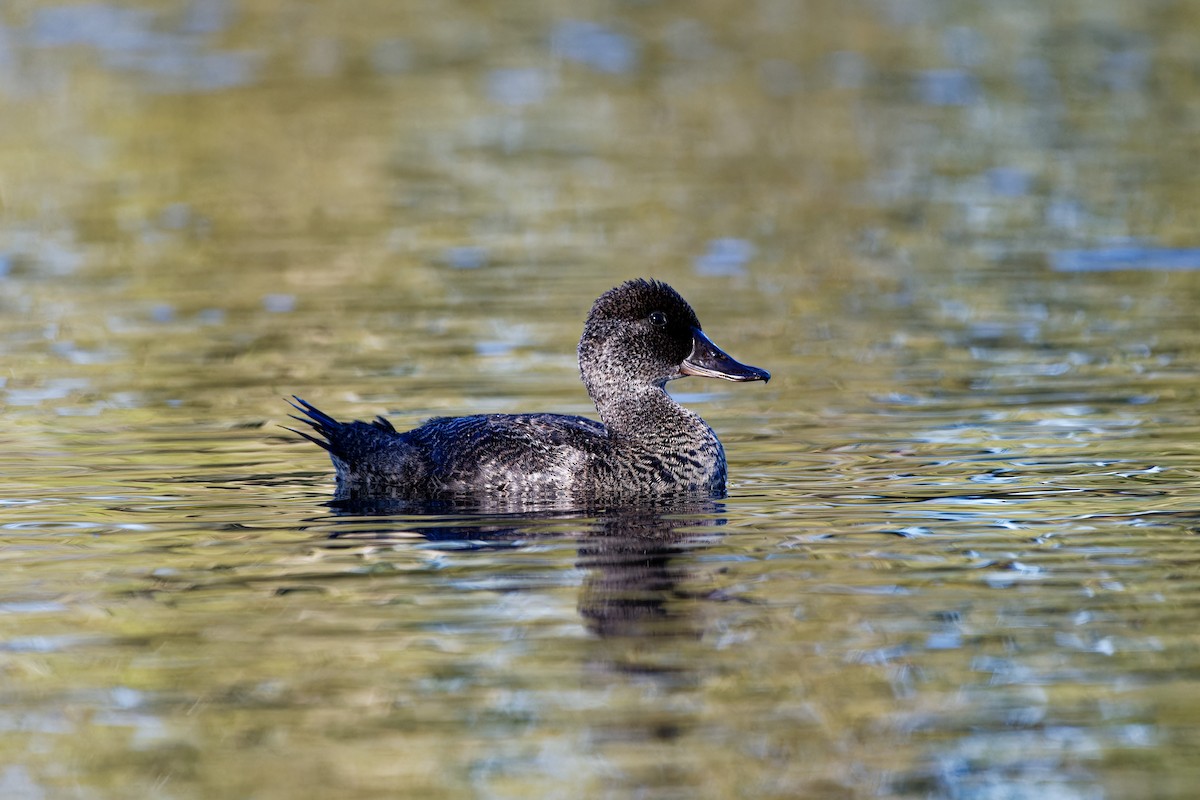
[325, 425]
[327, 428]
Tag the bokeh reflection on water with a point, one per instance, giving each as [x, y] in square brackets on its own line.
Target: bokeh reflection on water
[629, 555]
[957, 559]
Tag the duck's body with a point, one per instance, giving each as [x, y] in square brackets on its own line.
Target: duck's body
[638, 336]
[526, 455]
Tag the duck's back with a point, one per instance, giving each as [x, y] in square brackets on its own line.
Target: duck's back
[512, 453]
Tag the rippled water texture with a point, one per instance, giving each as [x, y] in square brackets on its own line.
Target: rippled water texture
[958, 558]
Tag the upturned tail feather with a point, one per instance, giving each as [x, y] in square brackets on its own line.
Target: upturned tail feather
[325, 426]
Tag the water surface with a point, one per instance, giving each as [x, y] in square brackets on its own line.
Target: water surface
[957, 558]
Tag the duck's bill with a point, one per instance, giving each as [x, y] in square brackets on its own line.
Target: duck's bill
[709, 361]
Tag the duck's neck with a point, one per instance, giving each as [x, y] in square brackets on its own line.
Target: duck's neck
[648, 414]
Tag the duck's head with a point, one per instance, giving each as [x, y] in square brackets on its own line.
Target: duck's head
[643, 333]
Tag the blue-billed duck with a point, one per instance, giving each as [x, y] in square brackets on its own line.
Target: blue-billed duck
[637, 337]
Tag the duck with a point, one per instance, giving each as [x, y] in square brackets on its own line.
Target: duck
[637, 337]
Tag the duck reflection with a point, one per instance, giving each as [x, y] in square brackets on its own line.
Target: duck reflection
[637, 569]
[636, 559]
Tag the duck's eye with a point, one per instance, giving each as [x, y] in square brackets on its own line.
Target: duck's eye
[658, 319]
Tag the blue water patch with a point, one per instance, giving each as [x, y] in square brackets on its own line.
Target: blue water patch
[518, 86]
[8, 56]
[965, 47]
[1127, 71]
[594, 45]
[1130, 257]
[133, 40]
[1066, 214]
[1008, 181]
[176, 216]
[96, 25]
[31, 607]
[726, 256]
[493, 348]
[465, 257]
[279, 303]
[181, 67]
[947, 87]
[207, 16]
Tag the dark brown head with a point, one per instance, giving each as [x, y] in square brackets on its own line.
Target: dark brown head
[643, 333]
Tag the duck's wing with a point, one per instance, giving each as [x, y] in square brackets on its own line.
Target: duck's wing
[510, 452]
[463, 440]
[563, 429]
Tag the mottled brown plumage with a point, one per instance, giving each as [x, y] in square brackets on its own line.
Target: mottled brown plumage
[637, 337]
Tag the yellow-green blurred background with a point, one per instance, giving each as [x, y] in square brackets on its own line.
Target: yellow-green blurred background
[957, 556]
